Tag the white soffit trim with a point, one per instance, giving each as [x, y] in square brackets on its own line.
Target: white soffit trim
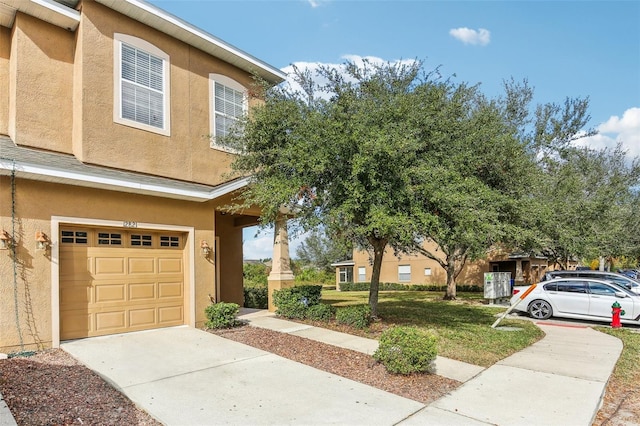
[45, 10]
[344, 263]
[50, 174]
[181, 30]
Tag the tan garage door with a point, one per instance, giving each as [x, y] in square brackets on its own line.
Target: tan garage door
[115, 281]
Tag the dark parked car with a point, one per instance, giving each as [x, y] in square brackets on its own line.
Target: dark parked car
[618, 279]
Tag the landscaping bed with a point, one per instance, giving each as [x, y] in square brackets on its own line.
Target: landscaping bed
[52, 388]
[353, 365]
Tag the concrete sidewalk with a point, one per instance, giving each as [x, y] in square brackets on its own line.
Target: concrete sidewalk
[560, 380]
[185, 376]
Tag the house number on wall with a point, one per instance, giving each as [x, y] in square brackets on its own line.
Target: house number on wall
[129, 224]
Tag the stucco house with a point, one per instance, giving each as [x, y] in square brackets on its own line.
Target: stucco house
[111, 182]
[418, 269]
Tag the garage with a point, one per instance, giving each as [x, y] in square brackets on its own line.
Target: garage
[117, 280]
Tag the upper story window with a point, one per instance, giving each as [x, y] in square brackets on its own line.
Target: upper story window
[228, 106]
[362, 274]
[404, 273]
[141, 85]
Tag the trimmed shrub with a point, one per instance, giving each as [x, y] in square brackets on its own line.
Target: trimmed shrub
[406, 350]
[293, 302]
[320, 312]
[256, 297]
[222, 315]
[358, 316]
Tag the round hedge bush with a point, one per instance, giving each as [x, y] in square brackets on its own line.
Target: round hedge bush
[406, 350]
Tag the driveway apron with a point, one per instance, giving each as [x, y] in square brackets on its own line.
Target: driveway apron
[186, 376]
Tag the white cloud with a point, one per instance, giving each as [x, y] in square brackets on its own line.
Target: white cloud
[258, 246]
[469, 36]
[316, 3]
[625, 130]
[312, 67]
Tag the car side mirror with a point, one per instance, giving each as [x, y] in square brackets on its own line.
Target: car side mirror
[621, 295]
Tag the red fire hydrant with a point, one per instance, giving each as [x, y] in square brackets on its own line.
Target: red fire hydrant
[616, 311]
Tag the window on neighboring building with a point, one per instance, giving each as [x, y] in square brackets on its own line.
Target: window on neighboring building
[228, 106]
[404, 273]
[141, 92]
[346, 274]
[362, 274]
[427, 272]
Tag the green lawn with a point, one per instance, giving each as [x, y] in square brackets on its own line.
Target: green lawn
[463, 326]
[627, 371]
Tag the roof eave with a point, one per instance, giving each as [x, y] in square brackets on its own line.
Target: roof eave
[172, 25]
[47, 10]
[53, 175]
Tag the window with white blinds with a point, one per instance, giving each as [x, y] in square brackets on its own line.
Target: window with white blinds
[142, 87]
[142, 90]
[404, 273]
[228, 105]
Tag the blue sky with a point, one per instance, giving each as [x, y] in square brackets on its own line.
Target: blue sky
[564, 48]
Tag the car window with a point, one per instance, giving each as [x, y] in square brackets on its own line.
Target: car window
[551, 287]
[572, 286]
[620, 280]
[601, 289]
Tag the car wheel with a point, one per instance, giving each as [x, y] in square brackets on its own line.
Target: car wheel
[540, 309]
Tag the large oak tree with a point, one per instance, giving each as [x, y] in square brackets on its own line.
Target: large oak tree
[386, 156]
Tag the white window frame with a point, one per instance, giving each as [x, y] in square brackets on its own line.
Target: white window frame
[427, 272]
[344, 274]
[403, 274]
[362, 274]
[137, 43]
[232, 84]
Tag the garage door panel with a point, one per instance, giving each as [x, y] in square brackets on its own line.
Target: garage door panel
[76, 324]
[142, 291]
[170, 315]
[170, 266]
[117, 288]
[110, 293]
[111, 321]
[76, 294]
[142, 317]
[141, 265]
[109, 266]
[169, 289]
[75, 265]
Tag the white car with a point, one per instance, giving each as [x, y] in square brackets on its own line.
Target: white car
[615, 278]
[578, 298]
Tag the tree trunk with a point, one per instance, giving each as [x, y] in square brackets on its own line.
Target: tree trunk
[450, 293]
[378, 252]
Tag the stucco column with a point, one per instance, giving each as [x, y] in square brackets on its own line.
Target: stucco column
[281, 275]
[519, 277]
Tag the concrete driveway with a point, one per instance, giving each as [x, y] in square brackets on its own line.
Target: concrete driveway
[186, 376]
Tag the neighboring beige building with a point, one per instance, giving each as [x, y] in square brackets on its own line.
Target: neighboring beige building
[418, 269]
[110, 180]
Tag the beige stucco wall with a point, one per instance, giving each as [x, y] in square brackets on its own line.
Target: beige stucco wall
[471, 274]
[59, 96]
[230, 259]
[40, 104]
[186, 153]
[37, 201]
[5, 49]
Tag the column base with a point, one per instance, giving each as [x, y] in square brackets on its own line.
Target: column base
[277, 284]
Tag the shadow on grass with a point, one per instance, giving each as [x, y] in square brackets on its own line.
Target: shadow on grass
[436, 313]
